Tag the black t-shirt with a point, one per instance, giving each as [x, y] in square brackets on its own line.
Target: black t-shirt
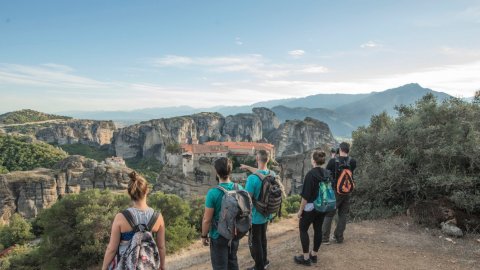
[332, 167]
[311, 183]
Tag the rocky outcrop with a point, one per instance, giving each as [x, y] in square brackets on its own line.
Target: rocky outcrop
[151, 138]
[243, 127]
[269, 120]
[296, 137]
[28, 192]
[91, 132]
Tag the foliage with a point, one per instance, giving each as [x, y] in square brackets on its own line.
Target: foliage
[22, 257]
[179, 232]
[18, 153]
[98, 154]
[197, 207]
[79, 238]
[26, 116]
[292, 203]
[174, 148]
[429, 151]
[149, 167]
[18, 231]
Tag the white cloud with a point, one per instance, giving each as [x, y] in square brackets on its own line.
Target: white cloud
[238, 41]
[296, 53]
[51, 75]
[370, 45]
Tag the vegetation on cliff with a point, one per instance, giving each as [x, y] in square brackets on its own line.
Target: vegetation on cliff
[27, 116]
[430, 151]
[19, 153]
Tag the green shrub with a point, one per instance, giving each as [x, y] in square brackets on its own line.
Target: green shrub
[174, 148]
[292, 203]
[25, 116]
[23, 257]
[76, 229]
[197, 207]
[98, 154]
[17, 153]
[179, 232]
[430, 151]
[149, 167]
[18, 231]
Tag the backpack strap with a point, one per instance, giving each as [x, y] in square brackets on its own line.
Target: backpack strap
[153, 220]
[222, 189]
[128, 216]
[259, 175]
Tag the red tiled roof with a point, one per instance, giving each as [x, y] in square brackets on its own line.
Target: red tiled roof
[204, 149]
[244, 145]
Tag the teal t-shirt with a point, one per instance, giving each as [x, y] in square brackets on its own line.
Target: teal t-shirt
[253, 186]
[214, 200]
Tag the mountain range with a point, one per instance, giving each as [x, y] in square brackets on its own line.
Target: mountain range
[342, 112]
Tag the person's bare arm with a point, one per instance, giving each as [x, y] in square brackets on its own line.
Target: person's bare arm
[206, 223]
[248, 168]
[113, 244]
[160, 239]
[302, 206]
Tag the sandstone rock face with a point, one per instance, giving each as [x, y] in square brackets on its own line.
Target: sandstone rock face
[296, 137]
[28, 192]
[91, 132]
[209, 126]
[243, 127]
[269, 120]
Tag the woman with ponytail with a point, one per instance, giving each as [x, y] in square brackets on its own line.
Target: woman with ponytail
[139, 214]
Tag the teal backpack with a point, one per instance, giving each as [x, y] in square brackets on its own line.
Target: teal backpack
[326, 200]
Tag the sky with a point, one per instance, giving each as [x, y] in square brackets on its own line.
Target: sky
[122, 55]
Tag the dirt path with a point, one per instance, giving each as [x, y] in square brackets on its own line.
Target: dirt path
[384, 244]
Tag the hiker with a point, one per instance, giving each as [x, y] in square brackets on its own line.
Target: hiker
[333, 152]
[133, 225]
[339, 166]
[307, 213]
[262, 185]
[220, 229]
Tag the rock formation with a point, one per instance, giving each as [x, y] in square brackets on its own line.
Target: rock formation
[243, 127]
[27, 192]
[91, 132]
[269, 120]
[297, 137]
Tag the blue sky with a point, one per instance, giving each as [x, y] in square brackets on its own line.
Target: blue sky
[121, 55]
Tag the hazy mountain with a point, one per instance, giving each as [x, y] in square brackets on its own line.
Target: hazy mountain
[342, 112]
[359, 112]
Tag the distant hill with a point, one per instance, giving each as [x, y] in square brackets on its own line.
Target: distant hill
[27, 116]
[342, 112]
[359, 112]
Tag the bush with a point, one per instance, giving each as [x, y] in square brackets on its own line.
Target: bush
[429, 152]
[197, 207]
[179, 232]
[149, 167]
[98, 154]
[22, 257]
[17, 153]
[174, 148]
[18, 231]
[76, 229]
[292, 204]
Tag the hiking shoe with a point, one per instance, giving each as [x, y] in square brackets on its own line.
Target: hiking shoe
[267, 264]
[313, 258]
[325, 242]
[301, 260]
[338, 240]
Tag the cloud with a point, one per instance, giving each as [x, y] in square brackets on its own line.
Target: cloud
[370, 45]
[238, 41]
[47, 75]
[253, 64]
[296, 53]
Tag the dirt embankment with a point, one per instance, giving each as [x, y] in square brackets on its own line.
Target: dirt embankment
[384, 244]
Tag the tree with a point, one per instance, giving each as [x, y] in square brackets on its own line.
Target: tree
[18, 231]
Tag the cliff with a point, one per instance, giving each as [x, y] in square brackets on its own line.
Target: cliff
[297, 137]
[91, 132]
[28, 192]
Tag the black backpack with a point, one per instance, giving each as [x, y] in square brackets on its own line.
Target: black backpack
[344, 182]
[271, 195]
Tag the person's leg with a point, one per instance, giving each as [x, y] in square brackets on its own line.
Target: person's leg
[256, 246]
[317, 232]
[264, 244]
[219, 253]
[303, 225]
[232, 255]
[327, 225]
[342, 218]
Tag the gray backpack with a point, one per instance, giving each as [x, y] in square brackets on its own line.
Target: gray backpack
[142, 251]
[236, 213]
